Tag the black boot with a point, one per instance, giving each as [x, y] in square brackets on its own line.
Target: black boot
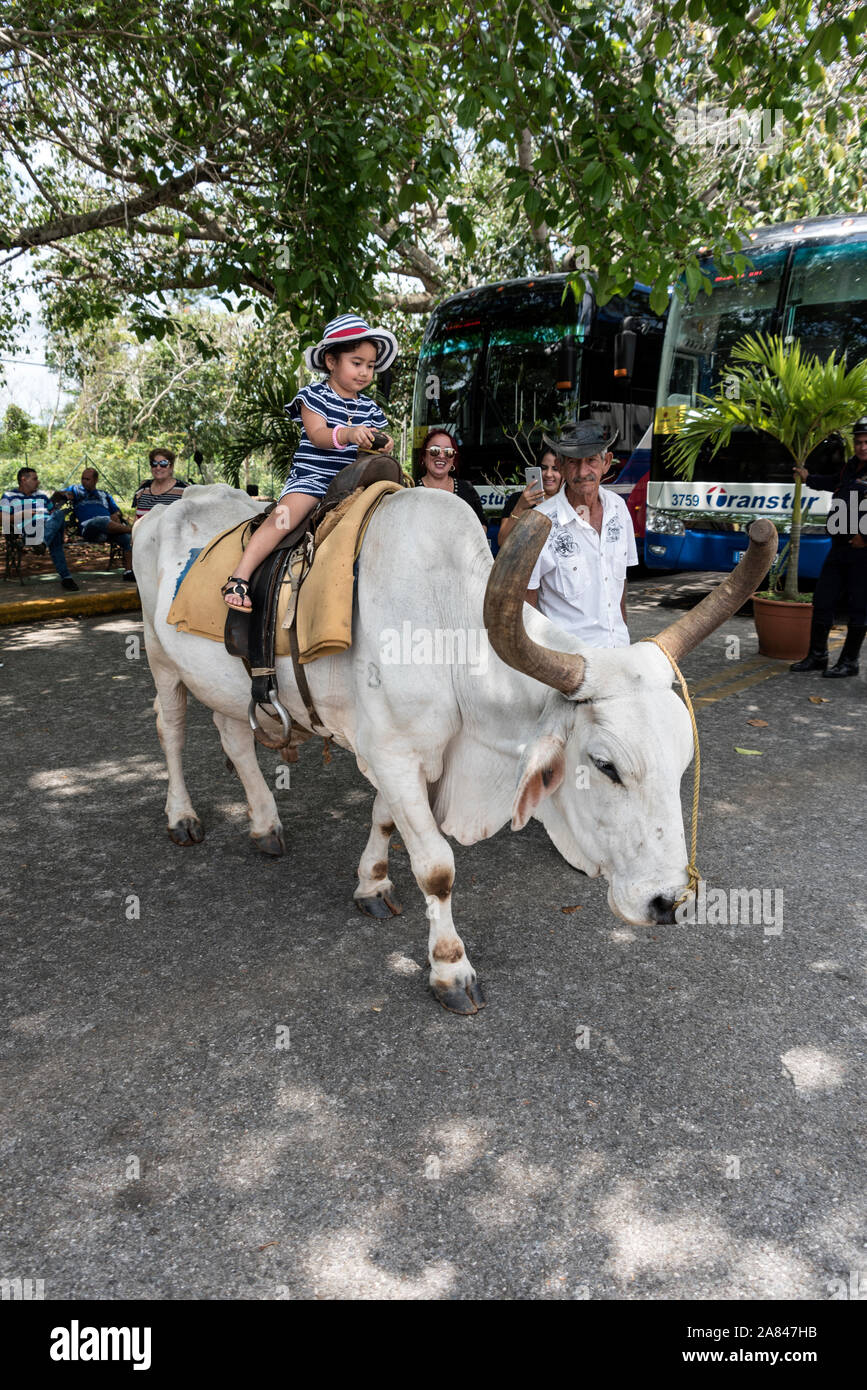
[848, 662]
[817, 657]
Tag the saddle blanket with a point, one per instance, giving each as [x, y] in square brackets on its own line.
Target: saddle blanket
[324, 623]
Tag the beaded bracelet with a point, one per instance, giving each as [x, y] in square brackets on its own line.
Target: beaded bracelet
[334, 438]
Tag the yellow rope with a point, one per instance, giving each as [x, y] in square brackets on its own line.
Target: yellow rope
[692, 867]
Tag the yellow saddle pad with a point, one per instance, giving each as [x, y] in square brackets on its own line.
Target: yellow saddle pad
[325, 604]
[325, 601]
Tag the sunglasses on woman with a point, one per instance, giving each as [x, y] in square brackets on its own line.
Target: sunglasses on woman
[160, 463]
[436, 449]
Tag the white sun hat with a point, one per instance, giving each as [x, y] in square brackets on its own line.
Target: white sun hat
[349, 328]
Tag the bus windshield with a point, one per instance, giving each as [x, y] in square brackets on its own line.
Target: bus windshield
[701, 335]
[446, 378]
[826, 302]
[521, 383]
[483, 370]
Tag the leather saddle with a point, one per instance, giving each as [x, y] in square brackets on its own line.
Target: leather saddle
[252, 635]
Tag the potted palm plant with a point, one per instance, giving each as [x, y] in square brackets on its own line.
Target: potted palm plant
[775, 389]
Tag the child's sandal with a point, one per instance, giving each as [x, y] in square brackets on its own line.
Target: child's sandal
[238, 588]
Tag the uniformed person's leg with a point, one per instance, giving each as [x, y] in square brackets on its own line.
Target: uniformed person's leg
[855, 564]
[829, 590]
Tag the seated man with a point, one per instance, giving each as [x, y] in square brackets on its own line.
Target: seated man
[30, 514]
[98, 515]
[579, 579]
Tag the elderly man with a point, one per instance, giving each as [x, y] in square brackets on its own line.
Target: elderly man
[31, 514]
[98, 515]
[579, 579]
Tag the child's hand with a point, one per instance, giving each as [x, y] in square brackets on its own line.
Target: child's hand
[388, 446]
[362, 435]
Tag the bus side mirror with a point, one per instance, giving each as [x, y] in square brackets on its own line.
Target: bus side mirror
[567, 364]
[384, 383]
[624, 351]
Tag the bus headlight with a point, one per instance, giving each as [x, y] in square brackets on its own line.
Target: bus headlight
[664, 523]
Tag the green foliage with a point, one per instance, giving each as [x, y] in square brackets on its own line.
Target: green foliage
[772, 387]
[262, 426]
[121, 466]
[162, 388]
[285, 154]
[17, 422]
[244, 148]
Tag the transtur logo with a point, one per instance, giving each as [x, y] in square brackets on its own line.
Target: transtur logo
[721, 500]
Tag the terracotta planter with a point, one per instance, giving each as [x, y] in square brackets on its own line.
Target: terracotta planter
[783, 628]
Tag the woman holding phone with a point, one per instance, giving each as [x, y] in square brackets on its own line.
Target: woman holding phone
[525, 501]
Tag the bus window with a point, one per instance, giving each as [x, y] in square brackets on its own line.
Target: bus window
[682, 386]
[445, 380]
[521, 384]
[701, 335]
[826, 306]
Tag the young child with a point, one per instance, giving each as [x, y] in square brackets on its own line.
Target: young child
[336, 419]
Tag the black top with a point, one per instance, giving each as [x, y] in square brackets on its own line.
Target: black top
[468, 494]
[849, 482]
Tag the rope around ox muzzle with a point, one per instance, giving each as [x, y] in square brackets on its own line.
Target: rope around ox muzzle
[692, 867]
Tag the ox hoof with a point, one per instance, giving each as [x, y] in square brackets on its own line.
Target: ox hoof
[460, 999]
[271, 842]
[380, 905]
[188, 831]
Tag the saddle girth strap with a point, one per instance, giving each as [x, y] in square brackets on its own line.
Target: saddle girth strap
[301, 675]
[263, 635]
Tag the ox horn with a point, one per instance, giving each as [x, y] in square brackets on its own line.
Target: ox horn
[504, 610]
[725, 600]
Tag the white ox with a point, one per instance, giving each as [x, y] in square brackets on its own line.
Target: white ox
[593, 743]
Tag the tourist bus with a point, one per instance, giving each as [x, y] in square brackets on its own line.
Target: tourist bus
[806, 281]
[528, 351]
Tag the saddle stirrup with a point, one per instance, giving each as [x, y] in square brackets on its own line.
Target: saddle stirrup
[264, 692]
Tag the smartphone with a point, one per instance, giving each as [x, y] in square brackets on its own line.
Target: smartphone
[533, 476]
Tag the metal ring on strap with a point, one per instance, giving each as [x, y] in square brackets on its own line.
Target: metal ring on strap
[270, 740]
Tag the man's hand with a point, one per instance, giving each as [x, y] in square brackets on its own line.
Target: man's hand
[800, 473]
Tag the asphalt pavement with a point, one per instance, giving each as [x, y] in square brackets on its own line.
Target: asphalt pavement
[223, 1082]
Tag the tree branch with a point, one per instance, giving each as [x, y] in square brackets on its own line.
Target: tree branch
[408, 303]
[417, 261]
[116, 214]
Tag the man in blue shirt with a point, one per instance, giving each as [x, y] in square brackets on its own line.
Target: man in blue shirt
[30, 514]
[98, 515]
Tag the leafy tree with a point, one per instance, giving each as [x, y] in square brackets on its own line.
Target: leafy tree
[284, 151]
[16, 421]
[139, 391]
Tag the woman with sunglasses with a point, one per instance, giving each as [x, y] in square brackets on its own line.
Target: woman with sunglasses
[163, 486]
[438, 468]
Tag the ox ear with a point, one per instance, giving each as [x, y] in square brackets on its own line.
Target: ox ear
[543, 768]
